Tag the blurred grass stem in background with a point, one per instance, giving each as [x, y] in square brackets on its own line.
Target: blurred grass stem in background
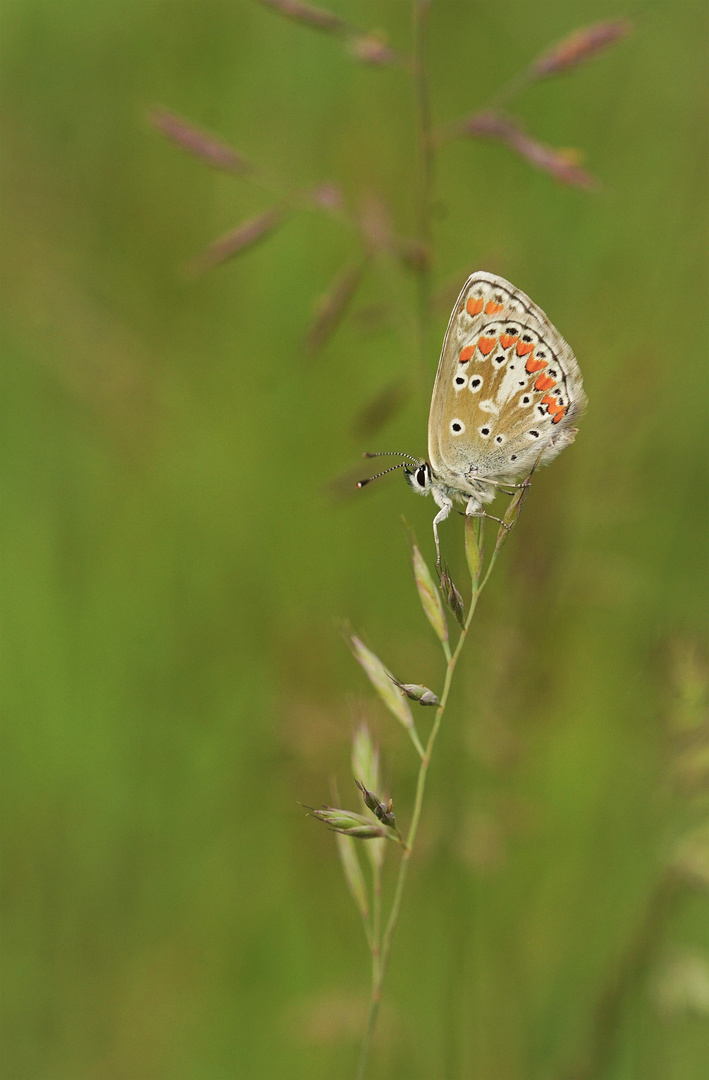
[426, 154]
[474, 535]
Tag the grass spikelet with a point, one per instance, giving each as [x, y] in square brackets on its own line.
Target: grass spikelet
[452, 597]
[233, 243]
[384, 683]
[195, 141]
[579, 46]
[558, 163]
[429, 595]
[373, 50]
[333, 306]
[307, 14]
[474, 548]
[365, 758]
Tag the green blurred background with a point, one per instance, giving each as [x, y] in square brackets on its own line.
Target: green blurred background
[175, 565]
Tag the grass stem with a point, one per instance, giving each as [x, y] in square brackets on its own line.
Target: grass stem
[383, 950]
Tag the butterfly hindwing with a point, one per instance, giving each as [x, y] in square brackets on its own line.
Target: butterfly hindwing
[507, 390]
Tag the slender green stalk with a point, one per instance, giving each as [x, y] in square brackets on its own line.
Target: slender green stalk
[375, 947]
[380, 966]
[376, 920]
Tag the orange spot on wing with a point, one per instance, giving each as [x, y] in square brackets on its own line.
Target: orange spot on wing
[544, 383]
[491, 308]
[507, 339]
[559, 413]
[474, 305]
[486, 344]
[535, 365]
[466, 353]
[523, 347]
[553, 407]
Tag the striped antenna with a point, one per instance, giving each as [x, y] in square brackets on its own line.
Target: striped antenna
[401, 465]
[390, 453]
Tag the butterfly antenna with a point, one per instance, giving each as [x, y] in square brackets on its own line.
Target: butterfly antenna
[401, 465]
[390, 453]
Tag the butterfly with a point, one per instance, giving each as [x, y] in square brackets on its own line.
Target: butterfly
[506, 397]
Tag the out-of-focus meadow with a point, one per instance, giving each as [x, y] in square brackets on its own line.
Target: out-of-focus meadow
[177, 562]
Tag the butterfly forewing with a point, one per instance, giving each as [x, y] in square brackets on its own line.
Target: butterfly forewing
[507, 390]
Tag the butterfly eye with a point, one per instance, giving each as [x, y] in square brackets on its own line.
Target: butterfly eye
[421, 476]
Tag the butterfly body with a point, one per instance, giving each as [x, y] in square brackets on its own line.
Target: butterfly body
[507, 393]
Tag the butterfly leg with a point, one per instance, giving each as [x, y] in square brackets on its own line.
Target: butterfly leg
[445, 509]
[501, 485]
[473, 510]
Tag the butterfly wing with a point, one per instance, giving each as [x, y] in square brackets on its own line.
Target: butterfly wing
[508, 388]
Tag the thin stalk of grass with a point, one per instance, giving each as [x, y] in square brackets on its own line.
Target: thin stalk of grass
[379, 968]
[376, 920]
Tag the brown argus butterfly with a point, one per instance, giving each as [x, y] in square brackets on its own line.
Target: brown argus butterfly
[506, 396]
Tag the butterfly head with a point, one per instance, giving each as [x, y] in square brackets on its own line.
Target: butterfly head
[419, 477]
[418, 473]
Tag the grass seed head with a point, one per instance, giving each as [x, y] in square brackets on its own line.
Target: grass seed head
[346, 822]
[417, 692]
[428, 595]
[451, 595]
